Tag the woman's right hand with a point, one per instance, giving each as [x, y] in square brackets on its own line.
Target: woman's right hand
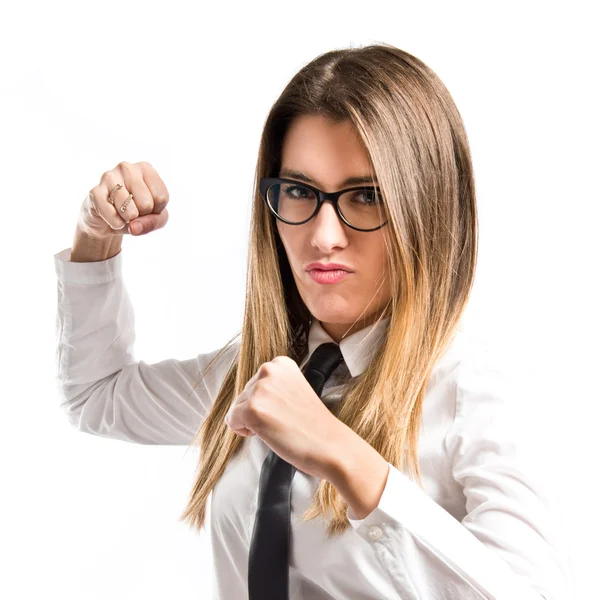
[102, 220]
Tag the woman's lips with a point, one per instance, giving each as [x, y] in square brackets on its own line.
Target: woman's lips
[321, 276]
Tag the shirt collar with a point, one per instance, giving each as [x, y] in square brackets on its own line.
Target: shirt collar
[357, 349]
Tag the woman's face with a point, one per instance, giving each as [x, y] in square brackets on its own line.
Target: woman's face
[330, 153]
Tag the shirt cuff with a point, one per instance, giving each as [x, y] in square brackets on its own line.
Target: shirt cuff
[101, 271]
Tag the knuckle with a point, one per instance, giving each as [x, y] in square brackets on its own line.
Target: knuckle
[265, 369]
[281, 359]
[130, 170]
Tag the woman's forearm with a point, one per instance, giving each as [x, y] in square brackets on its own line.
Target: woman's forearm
[359, 473]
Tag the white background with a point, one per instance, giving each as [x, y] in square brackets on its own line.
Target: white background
[187, 88]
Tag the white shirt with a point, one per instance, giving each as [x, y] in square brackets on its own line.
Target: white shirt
[482, 528]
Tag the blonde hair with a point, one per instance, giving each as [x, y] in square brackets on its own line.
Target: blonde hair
[420, 154]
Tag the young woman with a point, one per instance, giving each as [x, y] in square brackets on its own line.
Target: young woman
[415, 475]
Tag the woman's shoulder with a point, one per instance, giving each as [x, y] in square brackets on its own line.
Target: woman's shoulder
[492, 382]
[475, 357]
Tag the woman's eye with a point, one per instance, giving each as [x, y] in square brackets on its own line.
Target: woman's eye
[367, 197]
[297, 191]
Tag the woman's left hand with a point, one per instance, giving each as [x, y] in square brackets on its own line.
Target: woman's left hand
[280, 406]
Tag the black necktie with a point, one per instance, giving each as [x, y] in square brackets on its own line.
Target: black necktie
[268, 563]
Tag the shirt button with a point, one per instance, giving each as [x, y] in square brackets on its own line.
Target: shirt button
[375, 532]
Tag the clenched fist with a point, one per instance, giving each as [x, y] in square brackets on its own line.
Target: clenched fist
[101, 219]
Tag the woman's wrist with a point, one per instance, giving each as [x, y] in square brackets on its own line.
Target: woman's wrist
[90, 249]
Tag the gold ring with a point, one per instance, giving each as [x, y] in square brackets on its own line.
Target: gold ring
[126, 202]
[113, 192]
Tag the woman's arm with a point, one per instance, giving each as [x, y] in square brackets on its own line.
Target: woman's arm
[104, 390]
[508, 546]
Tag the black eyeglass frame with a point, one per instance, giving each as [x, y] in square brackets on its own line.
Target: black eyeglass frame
[266, 182]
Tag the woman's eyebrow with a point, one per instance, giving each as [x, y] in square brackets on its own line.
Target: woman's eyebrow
[347, 182]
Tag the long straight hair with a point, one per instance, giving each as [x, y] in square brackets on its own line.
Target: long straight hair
[419, 152]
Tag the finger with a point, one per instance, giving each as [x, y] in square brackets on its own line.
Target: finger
[121, 207]
[240, 429]
[256, 375]
[143, 202]
[251, 381]
[151, 222]
[235, 418]
[245, 432]
[156, 185]
[99, 202]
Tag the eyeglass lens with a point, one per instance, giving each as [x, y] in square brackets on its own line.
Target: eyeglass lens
[362, 208]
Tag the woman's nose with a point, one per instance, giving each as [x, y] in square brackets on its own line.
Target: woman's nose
[328, 228]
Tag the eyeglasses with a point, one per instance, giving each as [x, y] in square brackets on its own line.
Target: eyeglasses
[296, 203]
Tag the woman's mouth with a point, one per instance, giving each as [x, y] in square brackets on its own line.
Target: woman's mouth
[321, 276]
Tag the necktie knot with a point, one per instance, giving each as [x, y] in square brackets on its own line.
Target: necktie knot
[321, 364]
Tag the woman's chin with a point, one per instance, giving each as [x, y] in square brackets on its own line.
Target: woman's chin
[328, 315]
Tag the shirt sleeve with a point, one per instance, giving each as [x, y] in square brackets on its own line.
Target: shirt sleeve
[510, 544]
[103, 389]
